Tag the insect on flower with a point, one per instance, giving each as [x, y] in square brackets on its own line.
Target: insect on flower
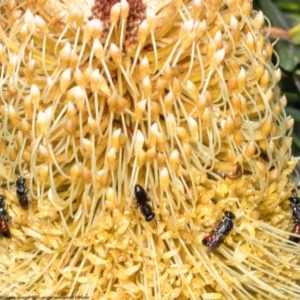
[238, 172]
[296, 230]
[2, 201]
[22, 193]
[142, 198]
[213, 241]
[295, 206]
[4, 228]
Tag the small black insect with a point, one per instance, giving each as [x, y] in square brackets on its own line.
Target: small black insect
[295, 206]
[2, 201]
[142, 198]
[22, 193]
[238, 172]
[213, 241]
[296, 230]
[4, 228]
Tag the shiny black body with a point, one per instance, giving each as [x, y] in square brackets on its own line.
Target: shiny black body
[295, 206]
[2, 201]
[296, 230]
[142, 198]
[22, 193]
[4, 228]
[213, 241]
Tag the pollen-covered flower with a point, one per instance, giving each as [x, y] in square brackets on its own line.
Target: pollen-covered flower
[180, 97]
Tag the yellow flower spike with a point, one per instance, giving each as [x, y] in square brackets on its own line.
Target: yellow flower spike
[269, 95]
[45, 153]
[182, 134]
[147, 88]
[73, 60]
[265, 128]
[238, 138]
[12, 115]
[206, 118]
[160, 142]
[111, 158]
[168, 101]
[44, 174]
[140, 109]
[144, 67]
[65, 80]
[71, 112]
[41, 25]
[176, 88]
[277, 109]
[93, 126]
[86, 175]
[26, 156]
[3, 55]
[116, 54]
[87, 146]
[24, 33]
[232, 84]
[150, 155]
[289, 123]
[234, 23]
[13, 155]
[236, 103]
[167, 94]
[241, 78]
[211, 49]
[250, 149]
[64, 56]
[77, 94]
[141, 158]
[165, 179]
[11, 87]
[265, 80]
[30, 69]
[79, 78]
[259, 19]
[277, 74]
[229, 125]
[42, 123]
[25, 127]
[259, 71]
[217, 58]
[143, 32]
[161, 161]
[93, 29]
[283, 101]
[103, 179]
[174, 160]
[30, 21]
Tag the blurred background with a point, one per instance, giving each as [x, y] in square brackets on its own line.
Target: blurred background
[284, 16]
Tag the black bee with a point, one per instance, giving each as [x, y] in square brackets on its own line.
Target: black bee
[295, 206]
[4, 228]
[142, 198]
[22, 193]
[238, 172]
[296, 230]
[2, 201]
[213, 241]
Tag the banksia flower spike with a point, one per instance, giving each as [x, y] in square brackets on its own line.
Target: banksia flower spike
[175, 102]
